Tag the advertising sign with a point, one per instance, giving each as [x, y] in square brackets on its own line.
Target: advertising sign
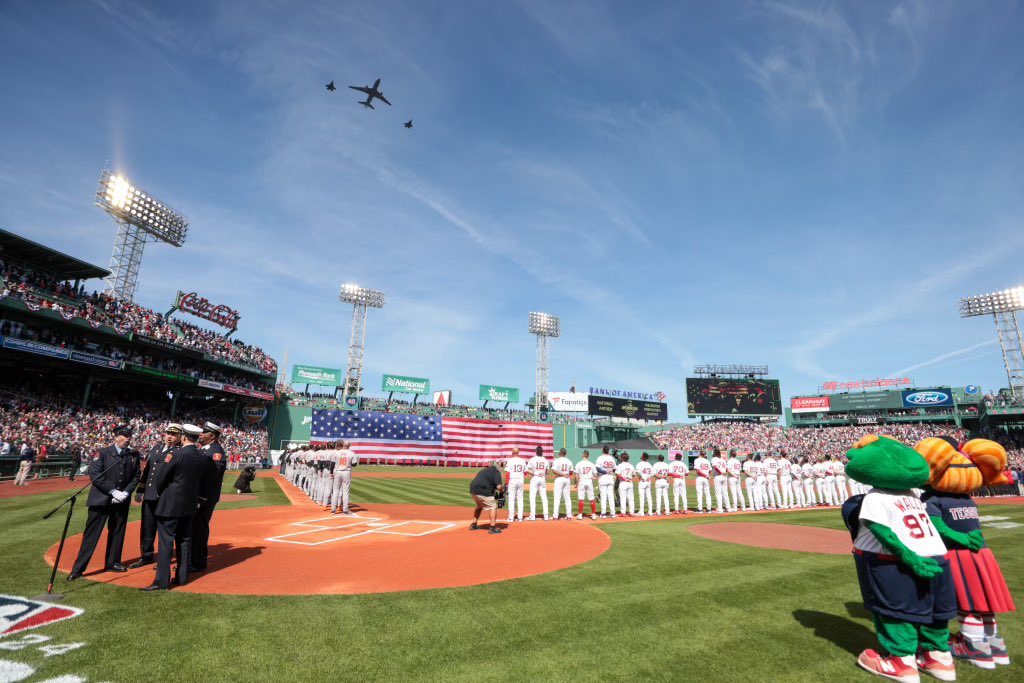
[718, 396]
[809, 404]
[490, 392]
[93, 359]
[928, 398]
[310, 374]
[622, 393]
[568, 402]
[606, 406]
[865, 384]
[405, 385]
[442, 398]
[201, 308]
[35, 347]
[163, 374]
[256, 412]
[169, 346]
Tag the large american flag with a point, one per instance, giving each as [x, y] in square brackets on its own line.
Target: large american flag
[396, 436]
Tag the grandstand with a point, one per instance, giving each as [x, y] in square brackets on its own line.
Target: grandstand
[76, 363]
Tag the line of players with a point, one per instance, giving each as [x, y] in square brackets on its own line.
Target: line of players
[324, 473]
[772, 483]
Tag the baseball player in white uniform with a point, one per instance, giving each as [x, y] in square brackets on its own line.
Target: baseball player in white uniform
[661, 472]
[702, 466]
[606, 481]
[720, 480]
[585, 472]
[830, 481]
[750, 480]
[624, 473]
[840, 473]
[771, 473]
[785, 481]
[563, 469]
[762, 483]
[734, 468]
[645, 471]
[819, 481]
[537, 466]
[515, 479]
[677, 473]
[808, 471]
[798, 484]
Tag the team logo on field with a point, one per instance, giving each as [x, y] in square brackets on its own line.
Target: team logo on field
[21, 614]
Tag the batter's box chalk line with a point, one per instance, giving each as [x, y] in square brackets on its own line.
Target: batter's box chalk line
[370, 525]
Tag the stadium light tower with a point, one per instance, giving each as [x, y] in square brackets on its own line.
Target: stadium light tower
[544, 326]
[1003, 307]
[361, 299]
[140, 218]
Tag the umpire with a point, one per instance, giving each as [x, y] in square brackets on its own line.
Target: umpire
[114, 474]
[146, 492]
[216, 462]
[177, 488]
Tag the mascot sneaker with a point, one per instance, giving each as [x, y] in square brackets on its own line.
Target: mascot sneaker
[999, 653]
[977, 653]
[887, 666]
[937, 664]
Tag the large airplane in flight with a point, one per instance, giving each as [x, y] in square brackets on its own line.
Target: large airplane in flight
[371, 92]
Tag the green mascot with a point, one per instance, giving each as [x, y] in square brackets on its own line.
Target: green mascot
[904, 576]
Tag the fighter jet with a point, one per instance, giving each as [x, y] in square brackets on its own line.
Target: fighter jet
[408, 124]
[330, 86]
[371, 92]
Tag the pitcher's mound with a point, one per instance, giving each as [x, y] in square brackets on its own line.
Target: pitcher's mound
[808, 539]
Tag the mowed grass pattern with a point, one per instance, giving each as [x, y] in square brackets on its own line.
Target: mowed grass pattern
[660, 605]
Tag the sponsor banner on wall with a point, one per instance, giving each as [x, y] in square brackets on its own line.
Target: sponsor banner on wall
[489, 392]
[405, 385]
[93, 359]
[607, 406]
[163, 374]
[809, 404]
[168, 346]
[38, 348]
[311, 374]
[568, 402]
[256, 412]
[442, 398]
[624, 393]
[928, 398]
[207, 384]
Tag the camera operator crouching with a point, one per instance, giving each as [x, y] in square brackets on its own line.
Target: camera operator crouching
[484, 488]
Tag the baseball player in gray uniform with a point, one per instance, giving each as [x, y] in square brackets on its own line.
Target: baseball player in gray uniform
[343, 478]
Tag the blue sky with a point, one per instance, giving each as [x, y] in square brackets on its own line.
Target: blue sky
[806, 185]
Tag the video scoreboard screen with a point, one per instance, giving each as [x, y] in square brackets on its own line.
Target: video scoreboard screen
[626, 407]
[715, 396]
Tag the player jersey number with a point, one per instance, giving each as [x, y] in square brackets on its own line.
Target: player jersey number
[919, 525]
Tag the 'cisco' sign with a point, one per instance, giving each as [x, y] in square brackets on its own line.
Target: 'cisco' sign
[932, 398]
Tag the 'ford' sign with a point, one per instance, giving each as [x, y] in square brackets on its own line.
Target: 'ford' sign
[933, 398]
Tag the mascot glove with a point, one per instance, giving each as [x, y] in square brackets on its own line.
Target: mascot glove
[923, 567]
[975, 540]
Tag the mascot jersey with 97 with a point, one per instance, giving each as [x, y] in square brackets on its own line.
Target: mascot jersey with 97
[906, 515]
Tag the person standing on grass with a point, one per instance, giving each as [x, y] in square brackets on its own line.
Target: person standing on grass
[484, 487]
[27, 457]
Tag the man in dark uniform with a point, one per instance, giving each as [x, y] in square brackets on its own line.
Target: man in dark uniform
[146, 492]
[209, 493]
[76, 462]
[114, 475]
[177, 488]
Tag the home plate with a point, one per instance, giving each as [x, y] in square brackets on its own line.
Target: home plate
[379, 524]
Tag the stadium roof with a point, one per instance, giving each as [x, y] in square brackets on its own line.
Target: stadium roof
[55, 262]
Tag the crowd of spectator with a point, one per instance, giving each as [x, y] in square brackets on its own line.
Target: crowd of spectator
[50, 423]
[80, 342]
[43, 291]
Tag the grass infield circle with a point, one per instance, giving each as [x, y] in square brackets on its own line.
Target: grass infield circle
[300, 550]
[807, 539]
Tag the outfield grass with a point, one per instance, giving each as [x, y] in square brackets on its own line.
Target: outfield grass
[661, 604]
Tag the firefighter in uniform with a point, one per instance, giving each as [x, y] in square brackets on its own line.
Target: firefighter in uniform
[114, 474]
[177, 488]
[146, 493]
[209, 493]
